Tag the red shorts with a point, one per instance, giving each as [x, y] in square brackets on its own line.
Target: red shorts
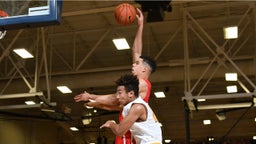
[127, 137]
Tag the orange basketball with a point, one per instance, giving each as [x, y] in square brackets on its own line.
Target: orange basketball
[125, 14]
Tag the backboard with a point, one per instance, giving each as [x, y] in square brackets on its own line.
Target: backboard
[19, 14]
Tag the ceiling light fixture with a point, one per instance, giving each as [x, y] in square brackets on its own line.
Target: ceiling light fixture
[232, 89]
[23, 53]
[159, 94]
[230, 32]
[121, 43]
[231, 76]
[210, 139]
[30, 102]
[201, 100]
[73, 128]
[207, 122]
[64, 89]
[167, 140]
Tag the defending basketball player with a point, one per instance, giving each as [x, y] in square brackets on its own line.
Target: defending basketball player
[142, 67]
[138, 116]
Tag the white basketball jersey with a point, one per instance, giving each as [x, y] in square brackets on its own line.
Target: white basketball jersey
[145, 132]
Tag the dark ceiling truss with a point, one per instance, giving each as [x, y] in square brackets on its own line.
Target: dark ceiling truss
[32, 86]
[223, 55]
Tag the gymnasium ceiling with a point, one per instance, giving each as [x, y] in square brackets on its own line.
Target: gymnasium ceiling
[188, 46]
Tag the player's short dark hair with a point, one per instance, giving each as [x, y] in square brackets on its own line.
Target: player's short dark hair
[150, 62]
[130, 82]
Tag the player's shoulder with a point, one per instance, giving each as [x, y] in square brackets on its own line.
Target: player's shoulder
[138, 107]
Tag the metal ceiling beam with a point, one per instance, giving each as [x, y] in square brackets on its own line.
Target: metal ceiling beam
[171, 63]
[93, 11]
[93, 49]
[22, 106]
[94, 77]
[216, 6]
[191, 102]
[219, 50]
[47, 75]
[187, 85]
[21, 95]
[7, 50]
[254, 20]
[167, 43]
[220, 96]
[225, 106]
[230, 48]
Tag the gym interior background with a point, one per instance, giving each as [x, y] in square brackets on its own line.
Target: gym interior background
[186, 38]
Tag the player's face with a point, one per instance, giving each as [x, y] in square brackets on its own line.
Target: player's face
[137, 67]
[122, 96]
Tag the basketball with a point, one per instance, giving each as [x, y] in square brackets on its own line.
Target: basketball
[125, 14]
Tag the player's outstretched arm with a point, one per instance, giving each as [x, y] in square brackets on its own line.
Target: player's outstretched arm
[107, 102]
[102, 106]
[137, 44]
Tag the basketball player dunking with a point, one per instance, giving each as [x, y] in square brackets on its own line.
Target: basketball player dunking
[142, 67]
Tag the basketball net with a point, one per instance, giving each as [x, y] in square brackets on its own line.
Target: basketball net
[3, 32]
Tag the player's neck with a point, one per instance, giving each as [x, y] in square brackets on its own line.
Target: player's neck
[143, 76]
[130, 100]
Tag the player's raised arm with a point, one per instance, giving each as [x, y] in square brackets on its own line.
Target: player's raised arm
[137, 44]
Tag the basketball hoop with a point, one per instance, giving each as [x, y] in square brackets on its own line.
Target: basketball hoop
[3, 32]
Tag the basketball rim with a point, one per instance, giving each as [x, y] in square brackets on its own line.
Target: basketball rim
[3, 32]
